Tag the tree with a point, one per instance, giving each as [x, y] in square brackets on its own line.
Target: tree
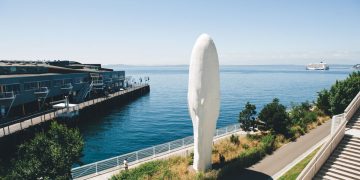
[322, 101]
[340, 95]
[247, 116]
[343, 92]
[275, 117]
[49, 155]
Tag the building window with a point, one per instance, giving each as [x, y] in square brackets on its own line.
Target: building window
[12, 88]
[58, 83]
[44, 84]
[78, 80]
[67, 81]
[30, 86]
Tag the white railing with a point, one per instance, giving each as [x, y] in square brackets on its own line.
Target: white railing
[145, 154]
[338, 126]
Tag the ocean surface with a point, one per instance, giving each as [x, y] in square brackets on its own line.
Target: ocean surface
[162, 115]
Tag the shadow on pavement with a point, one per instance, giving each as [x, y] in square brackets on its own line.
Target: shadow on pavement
[246, 174]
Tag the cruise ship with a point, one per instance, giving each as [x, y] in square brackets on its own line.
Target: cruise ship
[28, 87]
[317, 66]
[356, 66]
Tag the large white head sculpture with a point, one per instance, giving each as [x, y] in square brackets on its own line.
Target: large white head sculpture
[204, 98]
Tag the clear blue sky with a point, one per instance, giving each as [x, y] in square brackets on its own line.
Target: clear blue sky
[162, 32]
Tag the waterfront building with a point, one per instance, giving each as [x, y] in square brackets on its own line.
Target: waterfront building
[28, 87]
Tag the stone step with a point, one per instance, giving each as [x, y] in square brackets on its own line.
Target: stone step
[346, 145]
[351, 137]
[345, 153]
[355, 127]
[355, 123]
[324, 173]
[355, 173]
[343, 157]
[345, 165]
[347, 149]
[354, 143]
[326, 177]
[344, 160]
[340, 172]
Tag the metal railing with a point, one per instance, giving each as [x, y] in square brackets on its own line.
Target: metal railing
[337, 133]
[67, 87]
[145, 154]
[7, 95]
[41, 90]
[36, 118]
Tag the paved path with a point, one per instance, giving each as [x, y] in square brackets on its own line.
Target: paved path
[272, 164]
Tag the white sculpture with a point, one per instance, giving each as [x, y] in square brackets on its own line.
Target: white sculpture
[203, 99]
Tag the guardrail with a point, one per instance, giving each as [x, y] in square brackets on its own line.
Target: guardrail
[145, 154]
[29, 117]
[337, 133]
[6, 95]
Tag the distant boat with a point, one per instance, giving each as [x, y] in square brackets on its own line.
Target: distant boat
[356, 66]
[317, 66]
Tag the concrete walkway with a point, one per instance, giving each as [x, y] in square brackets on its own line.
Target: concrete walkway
[285, 155]
[271, 164]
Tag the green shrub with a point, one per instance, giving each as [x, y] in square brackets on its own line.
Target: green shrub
[296, 131]
[234, 139]
[190, 159]
[144, 171]
[310, 117]
[245, 146]
[275, 117]
[253, 137]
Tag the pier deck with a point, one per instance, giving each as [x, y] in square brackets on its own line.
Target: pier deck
[26, 123]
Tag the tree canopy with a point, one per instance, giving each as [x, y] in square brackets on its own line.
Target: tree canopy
[340, 95]
[49, 155]
[275, 117]
[247, 116]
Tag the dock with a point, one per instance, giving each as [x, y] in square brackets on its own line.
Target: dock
[19, 125]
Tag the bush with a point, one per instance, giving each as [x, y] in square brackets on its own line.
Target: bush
[310, 117]
[253, 137]
[49, 155]
[190, 159]
[144, 171]
[248, 157]
[275, 116]
[296, 131]
[234, 139]
[245, 146]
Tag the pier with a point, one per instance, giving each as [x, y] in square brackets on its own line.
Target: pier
[81, 109]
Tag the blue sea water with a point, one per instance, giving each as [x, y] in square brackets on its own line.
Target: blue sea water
[162, 115]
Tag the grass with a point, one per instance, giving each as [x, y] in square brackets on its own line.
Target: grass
[294, 172]
[239, 153]
[249, 150]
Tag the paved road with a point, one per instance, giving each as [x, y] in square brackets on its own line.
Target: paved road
[272, 164]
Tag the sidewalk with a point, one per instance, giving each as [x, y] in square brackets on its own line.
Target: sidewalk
[285, 155]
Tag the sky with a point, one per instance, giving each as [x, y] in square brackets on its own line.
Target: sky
[163, 32]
